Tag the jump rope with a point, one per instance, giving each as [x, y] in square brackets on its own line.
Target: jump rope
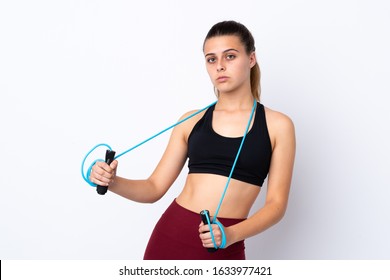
[205, 214]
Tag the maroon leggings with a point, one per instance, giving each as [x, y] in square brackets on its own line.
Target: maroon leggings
[176, 237]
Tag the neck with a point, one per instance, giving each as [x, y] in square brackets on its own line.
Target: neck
[240, 98]
[233, 102]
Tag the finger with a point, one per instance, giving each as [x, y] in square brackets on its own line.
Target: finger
[103, 169]
[114, 165]
[101, 181]
[206, 237]
[203, 228]
[208, 243]
[100, 177]
[206, 228]
[104, 166]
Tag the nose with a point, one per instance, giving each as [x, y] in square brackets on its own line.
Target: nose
[220, 67]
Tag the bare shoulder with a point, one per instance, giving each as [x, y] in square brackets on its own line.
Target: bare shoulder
[189, 119]
[279, 125]
[195, 117]
[278, 119]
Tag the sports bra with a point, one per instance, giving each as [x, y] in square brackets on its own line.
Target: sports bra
[210, 152]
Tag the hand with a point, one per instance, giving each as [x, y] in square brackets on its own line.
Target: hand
[103, 174]
[205, 235]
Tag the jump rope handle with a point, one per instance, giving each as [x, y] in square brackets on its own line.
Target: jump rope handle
[204, 220]
[109, 158]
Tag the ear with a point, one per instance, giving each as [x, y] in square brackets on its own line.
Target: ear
[252, 59]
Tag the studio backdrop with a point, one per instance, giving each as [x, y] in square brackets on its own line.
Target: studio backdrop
[77, 73]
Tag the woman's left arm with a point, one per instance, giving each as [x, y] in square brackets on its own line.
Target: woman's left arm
[279, 181]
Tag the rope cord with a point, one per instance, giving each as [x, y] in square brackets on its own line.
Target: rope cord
[235, 162]
[221, 228]
[214, 220]
[88, 173]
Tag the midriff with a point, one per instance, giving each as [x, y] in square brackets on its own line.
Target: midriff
[204, 191]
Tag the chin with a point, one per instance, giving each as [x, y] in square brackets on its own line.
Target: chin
[226, 90]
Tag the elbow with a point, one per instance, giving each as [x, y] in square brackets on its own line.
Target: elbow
[152, 199]
[146, 200]
[278, 210]
[279, 215]
[156, 192]
[281, 210]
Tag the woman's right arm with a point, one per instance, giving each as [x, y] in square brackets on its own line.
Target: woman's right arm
[153, 188]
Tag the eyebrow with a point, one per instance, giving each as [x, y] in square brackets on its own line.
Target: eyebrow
[225, 51]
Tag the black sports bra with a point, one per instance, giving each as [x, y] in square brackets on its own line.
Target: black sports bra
[209, 152]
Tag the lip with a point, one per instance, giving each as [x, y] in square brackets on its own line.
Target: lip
[222, 79]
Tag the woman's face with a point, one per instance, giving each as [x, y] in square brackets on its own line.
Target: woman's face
[228, 64]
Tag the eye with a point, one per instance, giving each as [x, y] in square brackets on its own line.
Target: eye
[230, 56]
[211, 60]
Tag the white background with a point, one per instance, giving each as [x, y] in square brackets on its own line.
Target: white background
[77, 73]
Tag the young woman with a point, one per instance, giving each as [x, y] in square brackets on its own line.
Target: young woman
[210, 141]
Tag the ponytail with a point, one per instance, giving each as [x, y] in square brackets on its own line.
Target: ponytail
[255, 81]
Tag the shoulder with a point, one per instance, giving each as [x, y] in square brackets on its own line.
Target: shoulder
[279, 125]
[192, 116]
[189, 119]
[278, 119]
[197, 114]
